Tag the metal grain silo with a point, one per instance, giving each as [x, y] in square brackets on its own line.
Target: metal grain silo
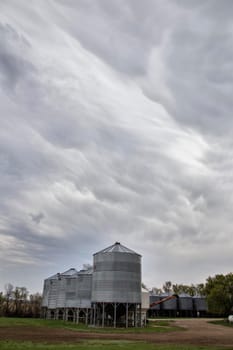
[154, 309]
[116, 280]
[84, 285]
[168, 307]
[67, 288]
[45, 294]
[49, 296]
[200, 305]
[169, 304]
[78, 295]
[185, 304]
[154, 299]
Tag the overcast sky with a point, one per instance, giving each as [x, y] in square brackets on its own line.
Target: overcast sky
[116, 125]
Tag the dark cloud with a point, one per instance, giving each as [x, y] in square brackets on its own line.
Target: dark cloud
[115, 126]
[197, 63]
[12, 64]
[121, 34]
[37, 217]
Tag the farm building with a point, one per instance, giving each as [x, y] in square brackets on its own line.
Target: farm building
[106, 294]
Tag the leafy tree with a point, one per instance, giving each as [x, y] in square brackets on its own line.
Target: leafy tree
[15, 302]
[156, 291]
[35, 305]
[219, 291]
[2, 300]
[200, 289]
[191, 290]
[144, 286]
[167, 287]
[20, 299]
[8, 296]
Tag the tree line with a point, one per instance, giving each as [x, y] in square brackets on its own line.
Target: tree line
[18, 302]
[218, 291]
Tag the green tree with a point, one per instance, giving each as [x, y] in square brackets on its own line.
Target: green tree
[8, 297]
[35, 304]
[167, 287]
[219, 292]
[20, 300]
[156, 290]
[2, 300]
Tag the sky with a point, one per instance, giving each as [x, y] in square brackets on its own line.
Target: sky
[116, 125]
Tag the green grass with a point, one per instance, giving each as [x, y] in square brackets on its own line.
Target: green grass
[223, 323]
[152, 327]
[155, 326]
[100, 345]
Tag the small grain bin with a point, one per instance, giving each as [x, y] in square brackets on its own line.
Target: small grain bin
[200, 305]
[168, 307]
[185, 304]
[155, 309]
[49, 298]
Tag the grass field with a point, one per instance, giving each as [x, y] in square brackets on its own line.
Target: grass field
[154, 326]
[223, 323]
[158, 327]
[99, 345]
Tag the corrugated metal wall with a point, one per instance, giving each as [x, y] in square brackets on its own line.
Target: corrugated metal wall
[116, 277]
[200, 303]
[68, 290]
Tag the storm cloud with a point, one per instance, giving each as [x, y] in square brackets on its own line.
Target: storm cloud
[116, 126]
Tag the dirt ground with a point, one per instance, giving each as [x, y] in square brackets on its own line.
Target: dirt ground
[197, 332]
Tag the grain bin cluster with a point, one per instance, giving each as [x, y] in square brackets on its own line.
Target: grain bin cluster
[106, 294]
[184, 305]
[109, 293]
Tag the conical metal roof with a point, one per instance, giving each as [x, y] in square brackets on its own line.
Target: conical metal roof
[184, 295]
[69, 272]
[117, 248]
[53, 277]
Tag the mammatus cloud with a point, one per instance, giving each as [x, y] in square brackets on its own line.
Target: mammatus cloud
[115, 126]
[37, 217]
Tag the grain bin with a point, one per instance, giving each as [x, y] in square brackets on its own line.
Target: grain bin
[200, 305]
[116, 286]
[67, 288]
[185, 302]
[49, 297]
[84, 286]
[154, 298]
[185, 305]
[78, 296]
[169, 304]
[116, 275]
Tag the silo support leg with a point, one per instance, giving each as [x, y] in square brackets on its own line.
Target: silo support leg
[86, 316]
[135, 315]
[140, 315]
[114, 320]
[103, 316]
[94, 315]
[66, 315]
[77, 321]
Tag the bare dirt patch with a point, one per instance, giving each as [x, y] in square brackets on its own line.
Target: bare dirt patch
[197, 332]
